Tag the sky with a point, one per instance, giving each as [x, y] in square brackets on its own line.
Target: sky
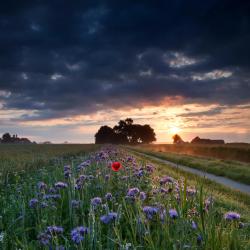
[69, 67]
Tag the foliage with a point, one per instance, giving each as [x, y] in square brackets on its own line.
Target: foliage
[177, 139]
[126, 132]
[7, 138]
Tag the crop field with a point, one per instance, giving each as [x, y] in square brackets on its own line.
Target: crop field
[88, 197]
[235, 152]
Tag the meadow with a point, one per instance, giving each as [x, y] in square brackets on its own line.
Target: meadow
[235, 170]
[16, 159]
[74, 197]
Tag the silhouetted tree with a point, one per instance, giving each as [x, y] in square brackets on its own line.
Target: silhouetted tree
[6, 138]
[177, 139]
[124, 128]
[146, 134]
[104, 135]
[126, 133]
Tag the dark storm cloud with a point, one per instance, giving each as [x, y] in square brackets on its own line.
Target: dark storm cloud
[62, 58]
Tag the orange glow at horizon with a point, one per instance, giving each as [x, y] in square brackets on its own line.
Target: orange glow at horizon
[174, 130]
[187, 120]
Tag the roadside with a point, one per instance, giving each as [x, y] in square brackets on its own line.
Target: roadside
[221, 180]
[232, 152]
[227, 198]
[237, 171]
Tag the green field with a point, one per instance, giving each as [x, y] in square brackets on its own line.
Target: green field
[20, 158]
[59, 214]
[235, 170]
[234, 151]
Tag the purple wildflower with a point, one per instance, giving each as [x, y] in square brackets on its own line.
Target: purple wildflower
[67, 171]
[208, 203]
[90, 177]
[33, 203]
[173, 213]
[81, 178]
[143, 196]
[191, 191]
[54, 230]
[52, 190]
[80, 181]
[77, 234]
[150, 168]
[163, 190]
[75, 203]
[83, 165]
[67, 168]
[155, 191]
[150, 211]
[60, 185]
[41, 185]
[78, 186]
[108, 196]
[108, 218]
[130, 159]
[199, 239]
[51, 196]
[166, 179]
[44, 238]
[44, 204]
[194, 225]
[107, 177]
[132, 192]
[139, 173]
[96, 201]
[124, 178]
[232, 216]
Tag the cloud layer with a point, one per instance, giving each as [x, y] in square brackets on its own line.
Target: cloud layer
[61, 59]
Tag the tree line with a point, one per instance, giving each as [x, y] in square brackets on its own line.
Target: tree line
[7, 138]
[126, 132]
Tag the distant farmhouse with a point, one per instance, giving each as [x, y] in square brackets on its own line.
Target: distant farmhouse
[198, 140]
[14, 139]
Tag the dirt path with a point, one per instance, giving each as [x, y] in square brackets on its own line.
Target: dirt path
[219, 179]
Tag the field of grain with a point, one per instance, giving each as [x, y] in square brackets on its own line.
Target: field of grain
[69, 197]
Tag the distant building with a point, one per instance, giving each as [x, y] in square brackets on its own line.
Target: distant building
[198, 140]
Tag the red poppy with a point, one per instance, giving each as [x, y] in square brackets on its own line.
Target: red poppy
[116, 166]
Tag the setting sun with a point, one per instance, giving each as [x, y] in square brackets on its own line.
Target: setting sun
[174, 130]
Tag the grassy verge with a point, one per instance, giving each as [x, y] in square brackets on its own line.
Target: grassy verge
[227, 198]
[237, 171]
[233, 152]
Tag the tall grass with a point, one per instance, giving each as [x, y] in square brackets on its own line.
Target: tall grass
[17, 159]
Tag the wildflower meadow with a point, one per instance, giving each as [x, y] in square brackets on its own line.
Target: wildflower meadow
[110, 199]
